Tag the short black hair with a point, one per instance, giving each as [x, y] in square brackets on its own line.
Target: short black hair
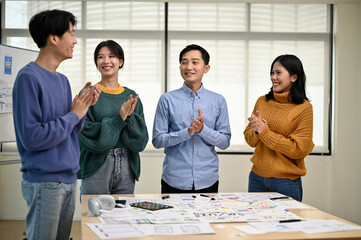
[205, 54]
[113, 46]
[45, 23]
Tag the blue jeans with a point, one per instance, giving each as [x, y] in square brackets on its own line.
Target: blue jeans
[51, 209]
[291, 188]
[115, 176]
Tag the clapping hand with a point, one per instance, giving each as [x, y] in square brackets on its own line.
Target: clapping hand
[197, 124]
[257, 123]
[128, 107]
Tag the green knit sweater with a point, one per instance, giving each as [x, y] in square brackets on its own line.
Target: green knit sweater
[104, 129]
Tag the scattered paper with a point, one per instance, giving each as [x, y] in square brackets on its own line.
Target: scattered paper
[193, 213]
[308, 226]
[292, 204]
[321, 226]
[248, 229]
[110, 231]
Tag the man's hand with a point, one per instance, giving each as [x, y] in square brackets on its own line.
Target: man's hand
[82, 103]
[197, 124]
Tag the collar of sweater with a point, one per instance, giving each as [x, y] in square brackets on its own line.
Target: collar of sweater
[282, 97]
[118, 90]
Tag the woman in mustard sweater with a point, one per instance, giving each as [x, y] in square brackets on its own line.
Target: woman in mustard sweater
[114, 131]
[280, 128]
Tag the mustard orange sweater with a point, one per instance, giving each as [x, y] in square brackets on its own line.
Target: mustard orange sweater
[286, 141]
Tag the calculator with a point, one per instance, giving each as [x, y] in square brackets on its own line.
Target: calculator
[150, 206]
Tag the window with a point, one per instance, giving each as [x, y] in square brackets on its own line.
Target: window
[242, 39]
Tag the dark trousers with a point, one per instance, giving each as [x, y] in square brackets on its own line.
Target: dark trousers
[291, 188]
[166, 188]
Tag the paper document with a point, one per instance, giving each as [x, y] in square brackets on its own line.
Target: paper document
[308, 226]
[110, 231]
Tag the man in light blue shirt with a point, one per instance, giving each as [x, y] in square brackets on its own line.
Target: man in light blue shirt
[189, 122]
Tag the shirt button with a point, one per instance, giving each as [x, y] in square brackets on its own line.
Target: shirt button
[186, 137]
[195, 116]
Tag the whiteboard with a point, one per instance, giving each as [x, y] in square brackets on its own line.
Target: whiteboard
[12, 59]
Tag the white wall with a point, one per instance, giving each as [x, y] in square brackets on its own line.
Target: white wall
[346, 191]
[332, 183]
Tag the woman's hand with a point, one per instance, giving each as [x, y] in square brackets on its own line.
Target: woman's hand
[257, 123]
[128, 107]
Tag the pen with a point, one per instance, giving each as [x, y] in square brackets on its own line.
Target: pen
[290, 220]
[277, 198]
[203, 195]
[121, 201]
[165, 197]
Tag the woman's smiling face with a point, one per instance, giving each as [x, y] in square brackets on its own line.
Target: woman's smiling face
[281, 79]
[107, 62]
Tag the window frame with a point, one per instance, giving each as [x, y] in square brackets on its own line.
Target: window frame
[166, 36]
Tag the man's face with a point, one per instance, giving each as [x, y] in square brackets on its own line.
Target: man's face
[67, 42]
[192, 67]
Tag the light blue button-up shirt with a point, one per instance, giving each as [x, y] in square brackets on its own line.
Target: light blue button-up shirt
[191, 159]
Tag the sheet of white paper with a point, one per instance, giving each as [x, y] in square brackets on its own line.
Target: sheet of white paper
[177, 229]
[292, 204]
[308, 226]
[323, 226]
[110, 231]
[252, 197]
[248, 229]
[272, 226]
[182, 197]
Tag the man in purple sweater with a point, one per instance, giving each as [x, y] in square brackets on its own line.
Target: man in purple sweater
[47, 122]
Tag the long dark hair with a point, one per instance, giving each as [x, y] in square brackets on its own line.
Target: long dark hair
[294, 66]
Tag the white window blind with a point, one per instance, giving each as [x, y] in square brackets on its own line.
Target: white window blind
[242, 39]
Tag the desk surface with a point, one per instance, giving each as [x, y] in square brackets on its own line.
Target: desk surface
[226, 232]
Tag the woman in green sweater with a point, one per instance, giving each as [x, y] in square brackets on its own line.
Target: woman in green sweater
[114, 132]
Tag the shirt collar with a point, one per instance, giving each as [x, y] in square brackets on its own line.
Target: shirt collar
[189, 92]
